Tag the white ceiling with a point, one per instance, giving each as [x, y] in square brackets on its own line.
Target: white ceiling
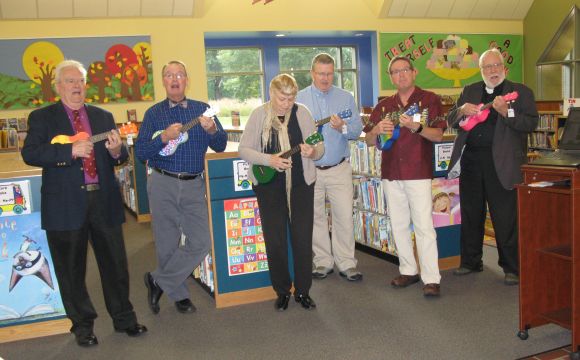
[59, 9]
[53, 9]
[457, 9]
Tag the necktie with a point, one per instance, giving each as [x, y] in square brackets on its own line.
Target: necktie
[89, 163]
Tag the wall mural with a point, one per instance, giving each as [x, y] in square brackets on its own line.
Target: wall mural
[119, 69]
[449, 60]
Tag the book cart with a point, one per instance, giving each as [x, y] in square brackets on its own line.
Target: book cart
[236, 271]
[31, 306]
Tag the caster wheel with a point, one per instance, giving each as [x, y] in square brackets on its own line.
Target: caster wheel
[523, 334]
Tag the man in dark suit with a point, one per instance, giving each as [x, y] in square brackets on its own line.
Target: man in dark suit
[81, 201]
[488, 158]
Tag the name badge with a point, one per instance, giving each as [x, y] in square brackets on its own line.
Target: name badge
[130, 140]
[417, 117]
[511, 113]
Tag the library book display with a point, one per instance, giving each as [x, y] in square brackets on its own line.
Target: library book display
[549, 249]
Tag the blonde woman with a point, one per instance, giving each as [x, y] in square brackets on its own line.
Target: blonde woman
[287, 199]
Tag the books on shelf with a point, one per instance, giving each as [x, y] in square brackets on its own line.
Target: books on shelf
[374, 230]
[365, 159]
[204, 272]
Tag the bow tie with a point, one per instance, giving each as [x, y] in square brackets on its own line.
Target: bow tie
[182, 103]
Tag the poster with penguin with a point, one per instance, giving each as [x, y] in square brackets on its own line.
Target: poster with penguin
[29, 290]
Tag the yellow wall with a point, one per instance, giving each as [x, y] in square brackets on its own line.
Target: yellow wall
[182, 38]
[540, 25]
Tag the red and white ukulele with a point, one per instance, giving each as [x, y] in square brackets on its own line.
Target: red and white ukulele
[469, 122]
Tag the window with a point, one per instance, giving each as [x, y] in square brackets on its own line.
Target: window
[558, 68]
[235, 80]
[297, 61]
[240, 66]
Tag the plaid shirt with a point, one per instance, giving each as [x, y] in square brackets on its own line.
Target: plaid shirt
[189, 156]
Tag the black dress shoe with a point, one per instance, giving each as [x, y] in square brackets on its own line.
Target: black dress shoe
[86, 340]
[134, 330]
[185, 306]
[306, 301]
[154, 293]
[281, 303]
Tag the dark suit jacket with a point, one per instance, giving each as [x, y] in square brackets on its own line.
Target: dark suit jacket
[64, 199]
[510, 140]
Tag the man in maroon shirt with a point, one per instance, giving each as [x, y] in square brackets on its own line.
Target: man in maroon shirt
[406, 170]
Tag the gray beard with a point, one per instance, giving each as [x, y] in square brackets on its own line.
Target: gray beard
[490, 85]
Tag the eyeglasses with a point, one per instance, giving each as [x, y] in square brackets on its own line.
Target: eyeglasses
[74, 81]
[323, 74]
[177, 76]
[400, 71]
[492, 66]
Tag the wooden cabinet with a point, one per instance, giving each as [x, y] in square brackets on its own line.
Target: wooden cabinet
[549, 250]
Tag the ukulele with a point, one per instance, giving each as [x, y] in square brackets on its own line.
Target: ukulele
[265, 174]
[68, 139]
[469, 122]
[386, 141]
[172, 145]
[343, 115]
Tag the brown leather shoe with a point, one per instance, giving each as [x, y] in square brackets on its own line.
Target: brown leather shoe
[431, 290]
[402, 281]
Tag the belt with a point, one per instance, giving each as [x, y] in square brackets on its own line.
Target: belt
[331, 166]
[180, 176]
[92, 187]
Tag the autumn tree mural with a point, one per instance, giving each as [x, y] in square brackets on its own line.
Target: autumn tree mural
[39, 61]
[119, 71]
[99, 76]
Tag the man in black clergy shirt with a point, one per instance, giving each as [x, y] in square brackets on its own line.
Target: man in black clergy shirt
[489, 156]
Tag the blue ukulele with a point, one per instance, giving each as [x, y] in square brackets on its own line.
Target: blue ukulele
[385, 141]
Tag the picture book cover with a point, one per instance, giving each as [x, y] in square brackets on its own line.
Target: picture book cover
[29, 290]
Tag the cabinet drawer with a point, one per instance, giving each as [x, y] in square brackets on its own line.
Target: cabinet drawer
[534, 176]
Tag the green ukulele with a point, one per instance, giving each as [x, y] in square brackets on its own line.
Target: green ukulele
[264, 174]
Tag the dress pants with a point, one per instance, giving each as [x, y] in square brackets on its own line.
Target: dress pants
[478, 184]
[335, 182]
[178, 206]
[275, 221]
[410, 201]
[69, 256]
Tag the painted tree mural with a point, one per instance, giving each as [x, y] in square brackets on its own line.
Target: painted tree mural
[98, 76]
[39, 61]
[118, 72]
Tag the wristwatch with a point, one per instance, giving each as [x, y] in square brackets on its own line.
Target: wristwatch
[418, 130]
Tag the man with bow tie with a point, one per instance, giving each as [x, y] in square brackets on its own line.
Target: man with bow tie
[176, 187]
[487, 160]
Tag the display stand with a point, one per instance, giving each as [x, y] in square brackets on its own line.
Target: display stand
[549, 250]
[27, 321]
[239, 275]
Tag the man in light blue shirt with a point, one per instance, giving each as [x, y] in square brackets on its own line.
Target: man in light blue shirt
[333, 171]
